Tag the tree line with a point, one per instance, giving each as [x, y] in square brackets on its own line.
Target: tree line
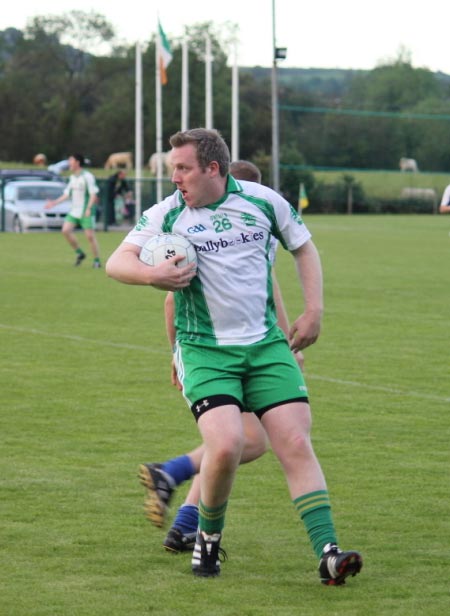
[58, 95]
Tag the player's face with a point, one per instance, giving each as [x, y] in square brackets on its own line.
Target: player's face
[74, 164]
[198, 186]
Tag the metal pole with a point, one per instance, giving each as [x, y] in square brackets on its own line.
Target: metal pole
[138, 136]
[235, 107]
[159, 120]
[275, 126]
[185, 85]
[208, 84]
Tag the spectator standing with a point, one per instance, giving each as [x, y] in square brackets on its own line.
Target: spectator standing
[117, 188]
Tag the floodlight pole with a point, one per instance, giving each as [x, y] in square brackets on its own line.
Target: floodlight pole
[275, 122]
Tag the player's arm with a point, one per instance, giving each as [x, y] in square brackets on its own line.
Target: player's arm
[52, 202]
[282, 318]
[93, 193]
[306, 328]
[124, 265]
[92, 201]
[444, 209]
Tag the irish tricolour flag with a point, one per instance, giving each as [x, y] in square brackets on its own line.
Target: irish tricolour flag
[165, 54]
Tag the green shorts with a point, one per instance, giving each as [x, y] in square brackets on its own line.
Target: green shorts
[86, 222]
[256, 377]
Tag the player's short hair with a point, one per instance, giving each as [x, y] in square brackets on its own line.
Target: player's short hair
[209, 144]
[80, 158]
[245, 170]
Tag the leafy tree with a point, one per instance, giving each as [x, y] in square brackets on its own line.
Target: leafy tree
[57, 83]
[255, 118]
[393, 87]
[69, 29]
[107, 123]
[396, 88]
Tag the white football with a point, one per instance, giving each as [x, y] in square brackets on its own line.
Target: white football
[166, 245]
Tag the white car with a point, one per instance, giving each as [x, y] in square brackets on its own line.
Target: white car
[24, 205]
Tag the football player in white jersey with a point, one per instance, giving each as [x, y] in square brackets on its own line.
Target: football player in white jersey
[181, 536]
[82, 190]
[230, 353]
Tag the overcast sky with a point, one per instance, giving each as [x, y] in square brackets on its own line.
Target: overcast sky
[328, 34]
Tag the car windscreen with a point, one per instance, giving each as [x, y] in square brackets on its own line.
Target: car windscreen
[38, 193]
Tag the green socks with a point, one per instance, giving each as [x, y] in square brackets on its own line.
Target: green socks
[315, 511]
[211, 519]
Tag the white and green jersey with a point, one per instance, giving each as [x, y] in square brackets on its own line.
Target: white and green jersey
[230, 301]
[79, 188]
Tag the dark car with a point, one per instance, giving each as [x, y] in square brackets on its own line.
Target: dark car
[6, 175]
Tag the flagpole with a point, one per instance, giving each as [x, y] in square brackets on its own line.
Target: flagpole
[185, 85]
[138, 134]
[208, 84]
[235, 107]
[158, 96]
[275, 117]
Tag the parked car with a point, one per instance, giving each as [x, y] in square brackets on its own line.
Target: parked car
[24, 204]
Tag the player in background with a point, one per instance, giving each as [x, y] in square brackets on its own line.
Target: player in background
[82, 190]
[160, 480]
[229, 353]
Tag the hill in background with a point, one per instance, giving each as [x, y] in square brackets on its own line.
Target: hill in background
[320, 82]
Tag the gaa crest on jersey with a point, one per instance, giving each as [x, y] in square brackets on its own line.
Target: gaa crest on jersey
[196, 229]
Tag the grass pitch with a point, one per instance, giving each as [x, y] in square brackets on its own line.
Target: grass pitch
[85, 397]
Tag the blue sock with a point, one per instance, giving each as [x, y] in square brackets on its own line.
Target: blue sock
[186, 519]
[180, 469]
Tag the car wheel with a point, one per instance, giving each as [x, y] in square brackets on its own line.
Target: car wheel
[17, 225]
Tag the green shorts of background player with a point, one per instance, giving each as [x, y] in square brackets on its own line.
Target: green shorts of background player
[86, 222]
